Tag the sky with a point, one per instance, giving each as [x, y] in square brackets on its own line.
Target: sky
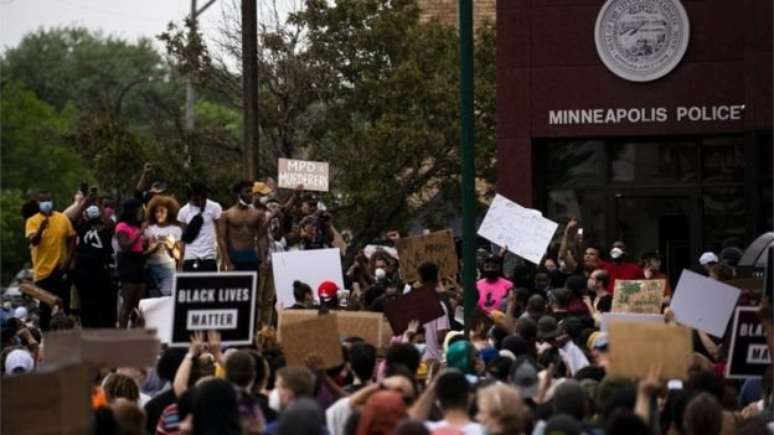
[129, 19]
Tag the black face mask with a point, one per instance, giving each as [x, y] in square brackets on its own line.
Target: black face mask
[491, 274]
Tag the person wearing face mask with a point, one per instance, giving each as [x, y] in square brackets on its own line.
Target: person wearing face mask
[293, 383]
[51, 238]
[92, 275]
[620, 267]
[240, 229]
[492, 288]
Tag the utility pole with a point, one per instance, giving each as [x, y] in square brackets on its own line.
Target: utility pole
[250, 86]
[467, 136]
[190, 97]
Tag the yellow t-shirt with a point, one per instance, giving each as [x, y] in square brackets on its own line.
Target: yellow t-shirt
[51, 252]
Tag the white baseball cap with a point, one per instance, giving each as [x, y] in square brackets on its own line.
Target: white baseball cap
[19, 361]
[708, 258]
[20, 313]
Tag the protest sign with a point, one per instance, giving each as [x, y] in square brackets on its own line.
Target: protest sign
[311, 267]
[638, 296]
[102, 347]
[366, 325]
[223, 302]
[310, 175]
[748, 354]
[48, 401]
[636, 346]
[318, 334]
[420, 304]
[524, 231]
[607, 318]
[157, 313]
[703, 303]
[435, 247]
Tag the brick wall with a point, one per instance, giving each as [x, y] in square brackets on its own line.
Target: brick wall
[446, 11]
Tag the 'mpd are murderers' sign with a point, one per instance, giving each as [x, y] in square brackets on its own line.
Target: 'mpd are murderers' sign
[311, 175]
[223, 302]
[748, 355]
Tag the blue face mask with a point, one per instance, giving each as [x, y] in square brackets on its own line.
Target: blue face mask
[46, 206]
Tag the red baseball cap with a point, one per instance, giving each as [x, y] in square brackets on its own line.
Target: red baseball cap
[327, 290]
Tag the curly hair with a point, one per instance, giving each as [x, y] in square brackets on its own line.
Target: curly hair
[165, 201]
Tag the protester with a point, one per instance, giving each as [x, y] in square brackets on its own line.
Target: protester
[240, 370]
[303, 416]
[621, 267]
[163, 235]
[201, 240]
[493, 288]
[293, 382]
[304, 298]
[51, 238]
[451, 390]
[501, 410]
[92, 275]
[131, 261]
[240, 227]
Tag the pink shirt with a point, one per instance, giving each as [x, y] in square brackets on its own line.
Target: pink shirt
[131, 232]
[491, 294]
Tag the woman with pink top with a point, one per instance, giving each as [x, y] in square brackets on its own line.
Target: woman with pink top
[131, 257]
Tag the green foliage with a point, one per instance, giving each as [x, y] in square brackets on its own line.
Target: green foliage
[15, 253]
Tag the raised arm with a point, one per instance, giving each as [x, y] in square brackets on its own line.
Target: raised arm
[568, 238]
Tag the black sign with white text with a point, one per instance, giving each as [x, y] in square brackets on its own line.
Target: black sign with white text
[748, 355]
[222, 302]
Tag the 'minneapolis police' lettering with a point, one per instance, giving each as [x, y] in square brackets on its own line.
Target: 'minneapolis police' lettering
[645, 115]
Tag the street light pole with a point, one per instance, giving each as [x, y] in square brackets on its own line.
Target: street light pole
[250, 86]
[467, 135]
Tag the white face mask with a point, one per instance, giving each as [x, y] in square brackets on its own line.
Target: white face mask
[616, 253]
[380, 273]
[274, 400]
[421, 347]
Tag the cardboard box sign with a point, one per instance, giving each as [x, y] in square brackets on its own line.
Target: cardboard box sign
[436, 247]
[54, 401]
[638, 296]
[635, 346]
[318, 334]
[420, 304]
[223, 302]
[608, 318]
[748, 355]
[366, 325]
[102, 347]
[312, 175]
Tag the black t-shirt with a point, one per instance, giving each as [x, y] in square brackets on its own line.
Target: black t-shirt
[95, 247]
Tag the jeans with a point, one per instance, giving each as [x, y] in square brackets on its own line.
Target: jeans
[162, 277]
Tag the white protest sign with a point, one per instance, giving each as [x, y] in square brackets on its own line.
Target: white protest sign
[524, 231]
[607, 318]
[158, 315]
[311, 267]
[703, 303]
[311, 175]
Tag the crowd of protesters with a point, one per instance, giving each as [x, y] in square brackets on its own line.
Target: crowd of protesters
[532, 361]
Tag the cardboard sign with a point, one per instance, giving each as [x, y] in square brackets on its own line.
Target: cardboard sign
[703, 303]
[48, 401]
[420, 304]
[748, 354]
[310, 175]
[102, 347]
[366, 325]
[157, 313]
[311, 267]
[223, 302]
[318, 334]
[635, 346]
[524, 231]
[638, 296]
[608, 318]
[435, 247]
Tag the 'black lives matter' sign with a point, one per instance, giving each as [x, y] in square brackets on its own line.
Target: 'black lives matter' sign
[222, 302]
[748, 355]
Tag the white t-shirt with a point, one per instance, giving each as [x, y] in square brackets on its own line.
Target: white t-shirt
[206, 244]
[469, 429]
[336, 415]
[162, 256]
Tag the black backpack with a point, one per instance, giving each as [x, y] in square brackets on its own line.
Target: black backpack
[193, 228]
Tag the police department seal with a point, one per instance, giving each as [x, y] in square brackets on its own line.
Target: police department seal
[641, 40]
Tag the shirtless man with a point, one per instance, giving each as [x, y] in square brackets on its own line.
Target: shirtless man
[241, 228]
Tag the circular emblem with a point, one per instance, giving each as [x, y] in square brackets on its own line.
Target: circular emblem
[641, 40]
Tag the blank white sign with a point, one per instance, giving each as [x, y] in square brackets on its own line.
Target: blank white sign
[703, 303]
